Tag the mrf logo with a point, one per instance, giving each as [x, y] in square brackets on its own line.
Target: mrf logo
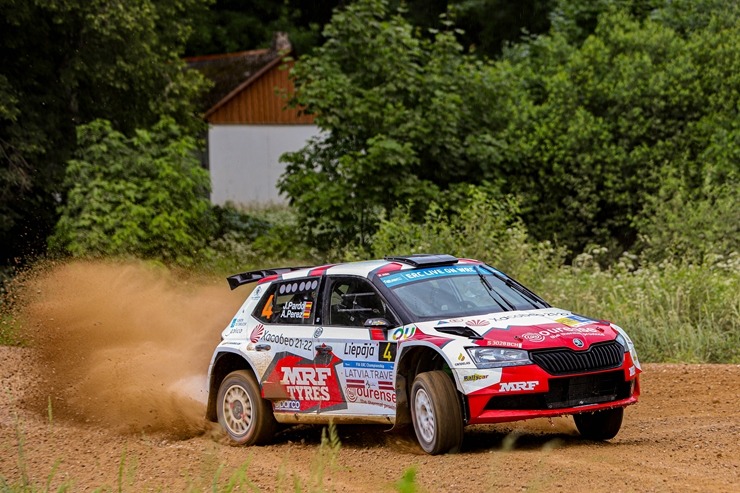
[306, 383]
[517, 386]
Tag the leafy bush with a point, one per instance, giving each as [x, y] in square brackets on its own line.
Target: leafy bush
[146, 195]
[475, 222]
[257, 238]
[247, 224]
[691, 225]
[675, 310]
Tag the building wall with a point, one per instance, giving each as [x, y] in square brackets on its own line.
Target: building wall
[244, 160]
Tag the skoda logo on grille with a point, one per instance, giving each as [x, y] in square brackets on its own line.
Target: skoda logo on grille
[578, 342]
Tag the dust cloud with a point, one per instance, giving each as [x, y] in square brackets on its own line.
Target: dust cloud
[125, 345]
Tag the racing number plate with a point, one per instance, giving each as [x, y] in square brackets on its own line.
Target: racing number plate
[387, 351]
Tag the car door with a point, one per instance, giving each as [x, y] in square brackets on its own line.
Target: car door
[287, 312]
[364, 361]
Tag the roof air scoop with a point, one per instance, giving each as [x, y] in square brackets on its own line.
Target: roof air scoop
[424, 259]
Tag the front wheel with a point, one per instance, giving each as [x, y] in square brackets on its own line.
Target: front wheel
[242, 412]
[436, 414]
[599, 425]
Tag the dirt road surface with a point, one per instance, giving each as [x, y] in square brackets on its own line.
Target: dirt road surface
[109, 394]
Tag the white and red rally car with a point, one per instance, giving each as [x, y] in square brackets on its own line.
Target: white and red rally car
[432, 340]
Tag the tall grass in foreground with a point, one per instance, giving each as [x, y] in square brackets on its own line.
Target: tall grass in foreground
[325, 461]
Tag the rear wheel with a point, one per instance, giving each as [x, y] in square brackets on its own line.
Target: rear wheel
[435, 413]
[242, 412]
[599, 425]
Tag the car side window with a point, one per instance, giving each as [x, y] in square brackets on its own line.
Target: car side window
[289, 302]
[351, 301]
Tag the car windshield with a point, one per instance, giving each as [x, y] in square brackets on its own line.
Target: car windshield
[459, 291]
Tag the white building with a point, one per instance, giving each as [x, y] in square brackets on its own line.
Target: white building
[249, 126]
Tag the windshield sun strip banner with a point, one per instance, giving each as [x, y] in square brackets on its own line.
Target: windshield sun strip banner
[403, 277]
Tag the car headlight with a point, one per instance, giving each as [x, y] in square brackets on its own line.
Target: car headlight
[627, 344]
[494, 357]
[621, 340]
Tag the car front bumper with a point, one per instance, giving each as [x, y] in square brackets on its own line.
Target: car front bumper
[526, 392]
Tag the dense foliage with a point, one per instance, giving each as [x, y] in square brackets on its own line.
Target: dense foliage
[487, 25]
[593, 155]
[403, 119]
[145, 196]
[65, 63]
[584, 133]
[607, 121]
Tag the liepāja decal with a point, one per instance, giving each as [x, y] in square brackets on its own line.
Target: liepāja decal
[369, 351]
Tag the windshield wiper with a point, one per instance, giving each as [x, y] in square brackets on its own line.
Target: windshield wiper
[532, 298]
[490, 291]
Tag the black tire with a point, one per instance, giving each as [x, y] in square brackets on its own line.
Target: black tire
[242, 412]
[599, 425]
[436, 414]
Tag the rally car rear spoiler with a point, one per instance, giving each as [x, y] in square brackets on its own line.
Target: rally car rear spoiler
[255, 275]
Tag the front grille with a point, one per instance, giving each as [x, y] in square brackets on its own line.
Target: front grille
[568, 392]
[587, 389]
[601, 356]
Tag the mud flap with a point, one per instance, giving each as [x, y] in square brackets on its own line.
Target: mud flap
[403, 414]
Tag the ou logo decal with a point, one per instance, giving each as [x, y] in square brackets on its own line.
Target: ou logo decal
[402, 333]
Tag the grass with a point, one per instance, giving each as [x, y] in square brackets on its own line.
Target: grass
[673, 312]
[325, 461]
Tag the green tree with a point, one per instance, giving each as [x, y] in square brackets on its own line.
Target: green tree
[236, 25]
[66, 62]
[487, 25]
[402, 116]
[607, 119]
[146, 195]
[583, 130]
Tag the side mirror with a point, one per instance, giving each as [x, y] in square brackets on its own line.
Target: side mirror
[377, 323]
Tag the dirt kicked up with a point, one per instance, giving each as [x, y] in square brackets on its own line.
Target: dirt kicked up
[111, 393]
[126, 346]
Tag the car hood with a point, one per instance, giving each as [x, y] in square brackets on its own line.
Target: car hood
[529, 329]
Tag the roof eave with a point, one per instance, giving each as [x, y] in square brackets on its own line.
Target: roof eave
[231, 95]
